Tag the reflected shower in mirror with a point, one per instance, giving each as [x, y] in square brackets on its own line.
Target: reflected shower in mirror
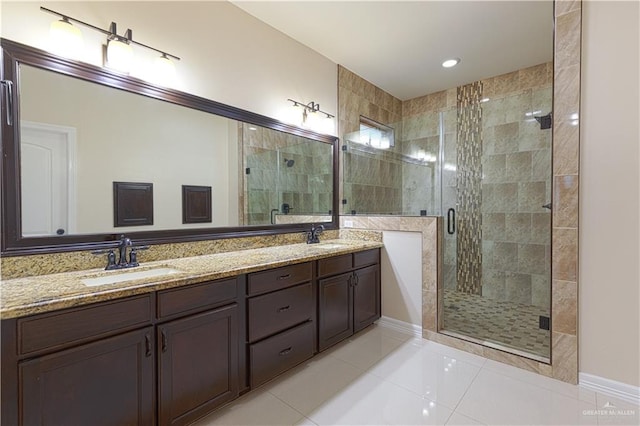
[77, 138]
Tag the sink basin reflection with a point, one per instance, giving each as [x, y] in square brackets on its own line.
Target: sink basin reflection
[114, 277]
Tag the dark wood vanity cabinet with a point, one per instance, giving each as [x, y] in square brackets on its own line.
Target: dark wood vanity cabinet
[348, 295]
[165, 358]
[172, 356]
[107, 382]
[197, 364]
[89, 365]
[281, 318]
[198, 342]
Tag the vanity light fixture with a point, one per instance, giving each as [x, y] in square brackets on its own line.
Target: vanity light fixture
[449, 63]
[311, 116]
[119, 53]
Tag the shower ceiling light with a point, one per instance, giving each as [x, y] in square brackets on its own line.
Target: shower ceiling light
[451, 62]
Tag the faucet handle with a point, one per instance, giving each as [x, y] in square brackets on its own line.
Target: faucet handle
[133, 255]
[111, 258]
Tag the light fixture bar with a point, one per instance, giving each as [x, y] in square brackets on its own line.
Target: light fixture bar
[311, 106]
[126, 38]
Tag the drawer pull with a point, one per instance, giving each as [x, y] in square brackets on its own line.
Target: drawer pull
[284, 277]
[164, 341]
[284, 308]
[285, 351]
[147, 345]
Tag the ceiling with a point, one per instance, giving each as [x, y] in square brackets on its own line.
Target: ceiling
[399, 46]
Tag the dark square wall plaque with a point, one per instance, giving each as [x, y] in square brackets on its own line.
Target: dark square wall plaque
[132, 204]
[196, 204]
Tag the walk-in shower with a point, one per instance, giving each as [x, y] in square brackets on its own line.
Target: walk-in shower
[480, 157]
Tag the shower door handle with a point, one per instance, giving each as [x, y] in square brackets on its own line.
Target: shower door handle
[451, 221]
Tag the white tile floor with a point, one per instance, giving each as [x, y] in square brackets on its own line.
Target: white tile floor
[382, 377]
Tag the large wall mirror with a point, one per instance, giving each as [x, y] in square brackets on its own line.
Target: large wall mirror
[89, 155]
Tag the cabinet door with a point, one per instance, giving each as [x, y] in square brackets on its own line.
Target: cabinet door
[198, 364]
[335, 313]
[108, 382]
[366, 297]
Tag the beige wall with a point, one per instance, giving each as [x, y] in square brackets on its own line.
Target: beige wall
[227, 55]
[609, 191]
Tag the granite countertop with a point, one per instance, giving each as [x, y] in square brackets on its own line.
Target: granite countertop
[43, 293]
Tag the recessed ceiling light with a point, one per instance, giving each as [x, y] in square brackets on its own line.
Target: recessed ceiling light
[451, 62]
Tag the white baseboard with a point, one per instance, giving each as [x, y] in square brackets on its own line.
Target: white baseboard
[401, 326]
[609, 387]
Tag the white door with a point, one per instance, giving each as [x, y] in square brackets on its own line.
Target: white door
[48, 179]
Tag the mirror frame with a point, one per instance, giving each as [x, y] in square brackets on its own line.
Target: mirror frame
[12, 242]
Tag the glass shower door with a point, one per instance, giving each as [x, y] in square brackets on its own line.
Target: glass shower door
[497, 221]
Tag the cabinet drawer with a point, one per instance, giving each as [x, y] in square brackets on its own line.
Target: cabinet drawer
[279, 278]
[196, 297]
[365, 258]
[76, 325]
[334, 265]
[280, 352]
[280, 310]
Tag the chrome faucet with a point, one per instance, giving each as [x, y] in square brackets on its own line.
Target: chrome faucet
[122, 262]
[313, 236]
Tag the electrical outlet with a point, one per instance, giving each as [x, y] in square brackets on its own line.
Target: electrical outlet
[348, 224]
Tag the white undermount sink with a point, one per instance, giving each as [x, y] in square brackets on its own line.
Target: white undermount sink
[330, 246]
[114, 277]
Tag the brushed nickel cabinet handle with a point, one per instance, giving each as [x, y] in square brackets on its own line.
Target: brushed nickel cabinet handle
[284, 277]
[284, 308]
[164, 341]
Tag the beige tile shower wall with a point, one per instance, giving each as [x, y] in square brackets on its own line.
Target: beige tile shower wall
[357, 97]
[516, 164]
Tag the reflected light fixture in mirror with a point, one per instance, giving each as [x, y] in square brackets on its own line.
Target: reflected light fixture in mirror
[65, 39]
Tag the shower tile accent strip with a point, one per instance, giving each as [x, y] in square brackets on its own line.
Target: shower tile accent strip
[469, 181]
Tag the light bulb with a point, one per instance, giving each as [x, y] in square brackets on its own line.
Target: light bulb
[65, 39]
[313, 121]
[119, 56]
[327, 125]
[164, 71]
[294, 114]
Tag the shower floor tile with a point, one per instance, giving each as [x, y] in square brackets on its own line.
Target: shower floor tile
[508, 324]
